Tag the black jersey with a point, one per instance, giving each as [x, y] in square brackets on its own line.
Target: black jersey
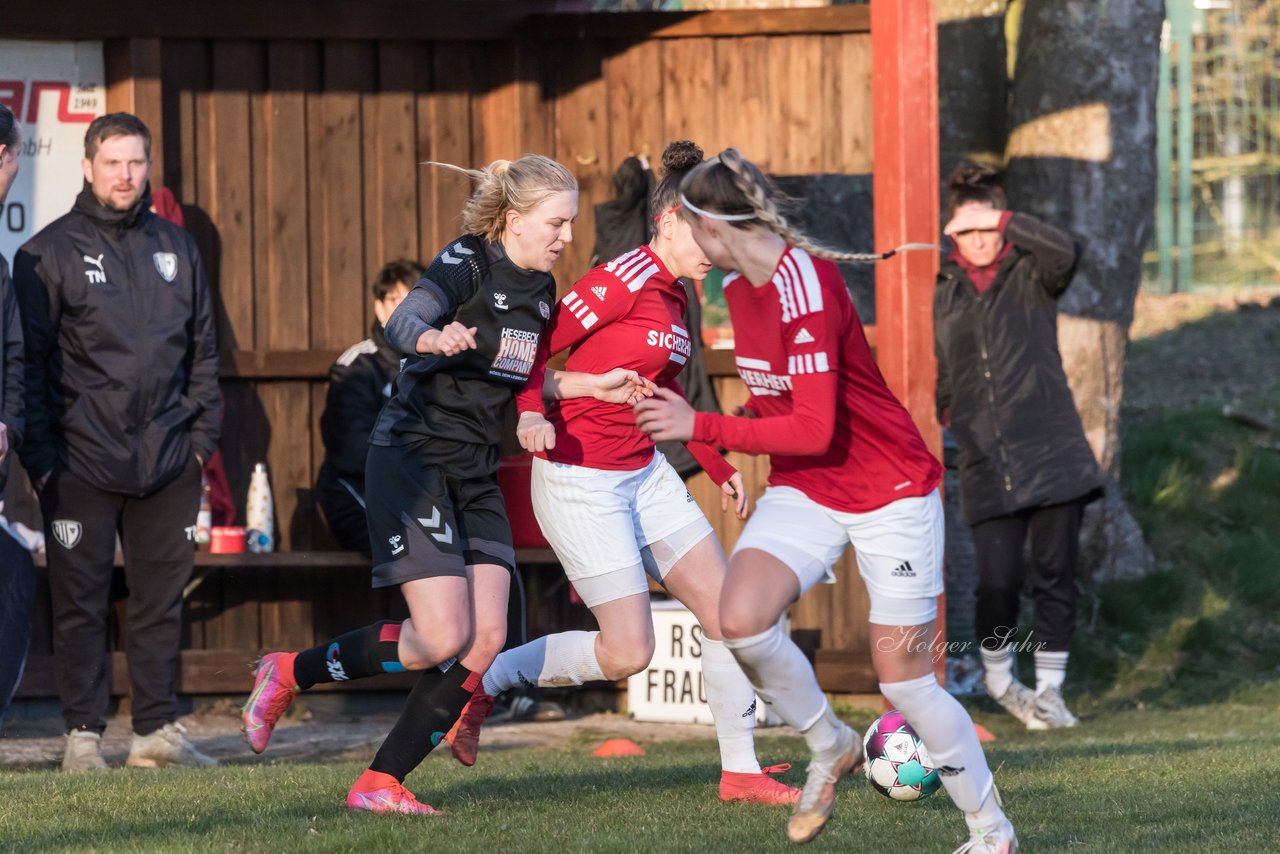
[461, 398]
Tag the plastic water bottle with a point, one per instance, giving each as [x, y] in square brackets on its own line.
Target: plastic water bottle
[261, 513]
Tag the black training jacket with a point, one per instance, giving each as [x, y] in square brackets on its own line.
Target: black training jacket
[11, 371]
[1000, 379]
[360, 384]
[122, 362]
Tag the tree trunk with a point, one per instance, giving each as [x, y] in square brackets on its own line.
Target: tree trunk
[1082, 156]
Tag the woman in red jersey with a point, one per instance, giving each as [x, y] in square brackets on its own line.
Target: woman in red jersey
[847, 466]
[615, 510]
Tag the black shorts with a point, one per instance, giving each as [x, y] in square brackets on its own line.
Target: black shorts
[426, 522]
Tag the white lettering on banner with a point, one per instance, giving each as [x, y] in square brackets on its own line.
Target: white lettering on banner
[55, 89]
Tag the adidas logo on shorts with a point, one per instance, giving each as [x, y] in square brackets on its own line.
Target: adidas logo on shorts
[904, 570]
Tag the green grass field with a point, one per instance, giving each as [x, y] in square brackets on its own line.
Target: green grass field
[1193, 779]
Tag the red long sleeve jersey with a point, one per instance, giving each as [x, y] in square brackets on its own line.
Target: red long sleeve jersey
[628, 313]
[831, 426]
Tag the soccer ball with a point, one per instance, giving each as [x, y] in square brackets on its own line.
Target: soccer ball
[898, 766]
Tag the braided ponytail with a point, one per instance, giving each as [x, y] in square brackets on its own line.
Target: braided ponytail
[731, 185]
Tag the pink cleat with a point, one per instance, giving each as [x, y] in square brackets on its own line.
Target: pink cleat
[382, 793]
[758, 788]
[273, 691]
[464, 735]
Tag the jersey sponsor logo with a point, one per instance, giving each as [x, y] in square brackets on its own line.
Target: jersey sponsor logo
[334, 664]
[579, 308]
[599, 291]
[676, 341]
[760, 378]
[396, 545]
[903, 570]
[98, 276]
[803, 337]
[458, 248]
[516, 352]
[633, 268]
[808, 363]
[441, 534]
[799, 290]
[166, 265]
[500, 301]
[67, 532]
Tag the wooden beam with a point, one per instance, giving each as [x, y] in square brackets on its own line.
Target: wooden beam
[132, 68]
[904, 97]
[314, 560]
[674, 25]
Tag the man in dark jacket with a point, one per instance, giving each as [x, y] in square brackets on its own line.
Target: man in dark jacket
[123, 408]
[359, 384]
[1026, 469]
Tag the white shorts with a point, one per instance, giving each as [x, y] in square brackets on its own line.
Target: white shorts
[898, 547]
[610, 528]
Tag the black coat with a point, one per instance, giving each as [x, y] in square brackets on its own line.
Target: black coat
[11, 371]
[359, 386]
[122, 360]
[1001, 387]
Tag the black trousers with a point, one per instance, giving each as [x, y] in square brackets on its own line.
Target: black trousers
[1053, 533]
[81, 523]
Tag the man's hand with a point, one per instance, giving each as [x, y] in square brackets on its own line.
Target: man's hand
[733, 488]
[449, 341]
[535, 432]
[665, 417]
[623, 386]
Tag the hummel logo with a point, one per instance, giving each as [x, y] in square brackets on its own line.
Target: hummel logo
[599, 291]
[396, 545]
[98, 276]
[500, 301]
[904, 570]
[803, 337]
[460, 249]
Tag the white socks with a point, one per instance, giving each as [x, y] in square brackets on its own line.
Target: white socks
[999, 669]
[733, 707]
[1051, 670]
[781, 675]
[554, 661]
[947, 732]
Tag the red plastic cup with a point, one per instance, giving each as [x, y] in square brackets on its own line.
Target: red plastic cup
[226, 540]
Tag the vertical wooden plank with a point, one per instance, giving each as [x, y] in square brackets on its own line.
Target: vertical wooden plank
[444, 135]
[334, 175]
[133, 86]
[582, 144]
[848, 81]
[223, 151]
[633, 79]
[905, 101]
[690, 105]
[743, 85]
[281, 247]
[185, 69]
[795, 105]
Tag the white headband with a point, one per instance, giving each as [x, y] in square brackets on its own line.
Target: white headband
[719, 216]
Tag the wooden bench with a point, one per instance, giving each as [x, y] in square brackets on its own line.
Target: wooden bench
[240, 605]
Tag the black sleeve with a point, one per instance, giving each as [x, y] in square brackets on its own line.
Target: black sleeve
[942, 392]
[13, 365]
[38, 303]
[1054, 250]
[351, 409]
[203, 385]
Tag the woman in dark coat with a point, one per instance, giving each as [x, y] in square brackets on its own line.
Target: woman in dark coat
[1026, 470]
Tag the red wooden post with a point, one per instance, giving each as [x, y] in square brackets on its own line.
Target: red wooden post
[904, 97]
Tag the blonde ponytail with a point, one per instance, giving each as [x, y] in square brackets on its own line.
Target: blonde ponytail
[503, 185]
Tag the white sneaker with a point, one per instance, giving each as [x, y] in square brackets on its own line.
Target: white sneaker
[1051, 712]
[83, 752]
[999, 840]
[818, 798]
[1018, 701]
[166, 746]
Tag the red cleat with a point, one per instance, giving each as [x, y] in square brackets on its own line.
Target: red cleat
[464, 735]
[273, 691]
[758, 788]
[382, 793]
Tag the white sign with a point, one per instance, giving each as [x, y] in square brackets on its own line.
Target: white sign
[55, 90]
[671, 688]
